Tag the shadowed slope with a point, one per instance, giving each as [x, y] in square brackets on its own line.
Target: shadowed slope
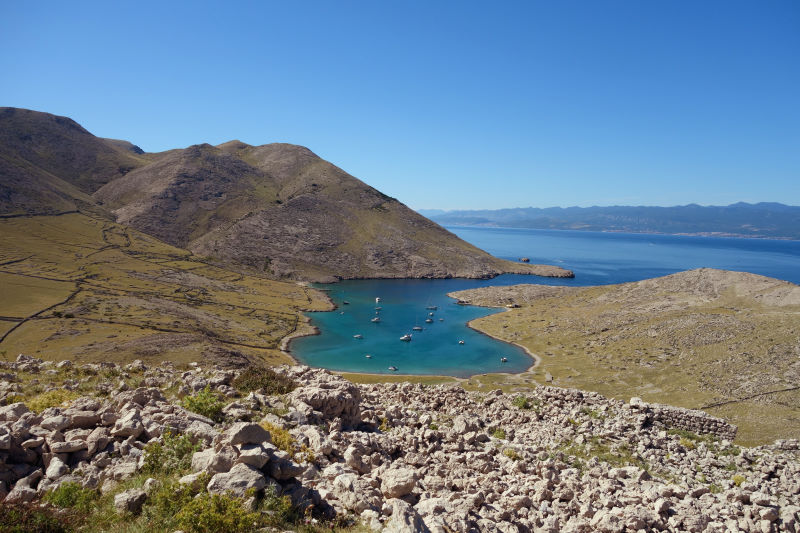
[50, 163]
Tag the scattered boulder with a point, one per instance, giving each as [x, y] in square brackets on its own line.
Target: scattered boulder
[130, 501]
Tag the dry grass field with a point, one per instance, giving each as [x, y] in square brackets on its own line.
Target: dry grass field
[725, 342]
[86, 289]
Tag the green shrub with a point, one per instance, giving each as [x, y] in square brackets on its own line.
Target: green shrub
[167, 501]
[215, 512]
[521, 402]
[433, 426]
[280, 437]
[53, 398]
[263, 379]
[172, 455]
[71, 495]
[205, 403]
[499, 433]
[738, 479]
[34, 519]
[512, 454]
[714, 488]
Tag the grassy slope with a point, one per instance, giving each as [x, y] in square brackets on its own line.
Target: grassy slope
[75, 287]
[682, 348]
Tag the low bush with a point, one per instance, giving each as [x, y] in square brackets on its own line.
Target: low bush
[53, 398]
[521, 402]
[34, 519]
[215, 512]
[738, 479]
[172, 455]
[71, 495]
[280, 437]
[206, 403]
[512, 454]
[266, 380]
[499, 433]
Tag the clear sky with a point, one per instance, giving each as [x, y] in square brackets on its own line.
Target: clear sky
[442, 104]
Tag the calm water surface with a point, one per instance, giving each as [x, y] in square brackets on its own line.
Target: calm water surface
[596, 258]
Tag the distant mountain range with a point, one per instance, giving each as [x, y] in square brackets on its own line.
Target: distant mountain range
[765, 219]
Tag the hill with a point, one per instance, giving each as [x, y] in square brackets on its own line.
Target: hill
[772, 220]
[282, 210]
[276, 210]
[724, 342]
[50, 164]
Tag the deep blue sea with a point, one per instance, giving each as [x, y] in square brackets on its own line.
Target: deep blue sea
[596, 258]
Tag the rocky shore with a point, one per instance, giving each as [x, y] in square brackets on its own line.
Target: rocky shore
[400, 457]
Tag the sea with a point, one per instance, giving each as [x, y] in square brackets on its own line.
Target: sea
[350, 340]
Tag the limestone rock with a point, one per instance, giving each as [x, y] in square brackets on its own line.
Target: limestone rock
[130, 501]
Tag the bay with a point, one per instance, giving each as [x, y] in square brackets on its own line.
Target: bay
[596, 258]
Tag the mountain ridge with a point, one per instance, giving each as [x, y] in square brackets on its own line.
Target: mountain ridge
[277, 210]
[741, 219]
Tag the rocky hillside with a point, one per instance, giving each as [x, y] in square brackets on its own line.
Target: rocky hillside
[142, 450]
[280, 209]
[718, 340]
[276, 209]
[51, 164]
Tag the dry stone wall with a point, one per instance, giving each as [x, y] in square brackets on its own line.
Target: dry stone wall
[688, 419]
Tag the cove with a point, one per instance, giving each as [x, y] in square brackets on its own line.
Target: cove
[596, 258]
[434, 350]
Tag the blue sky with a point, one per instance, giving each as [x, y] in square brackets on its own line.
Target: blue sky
[442, 104]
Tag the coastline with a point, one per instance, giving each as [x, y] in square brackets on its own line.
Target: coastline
[305, 329]
[525, 269]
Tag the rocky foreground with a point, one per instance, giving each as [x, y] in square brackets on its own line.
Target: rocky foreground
[404, 457]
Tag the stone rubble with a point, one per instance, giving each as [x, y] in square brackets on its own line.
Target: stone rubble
[404, 457]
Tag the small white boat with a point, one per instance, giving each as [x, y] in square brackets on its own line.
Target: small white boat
[460, 342]
[376, 319]
[417, 328]
[393, 368]
[432, 307]
[358, 336]
[406, 337]
[368, 356]
[345, 302]
[429, 320]
[378, 308]
[430, 314]
[377, 300]
[441, 320]
[504, 360]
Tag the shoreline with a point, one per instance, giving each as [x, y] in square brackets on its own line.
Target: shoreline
[536, 358]
[304, 327]
[307, 330]
[527, 269]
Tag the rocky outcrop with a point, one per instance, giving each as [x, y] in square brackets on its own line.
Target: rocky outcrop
[406, 457]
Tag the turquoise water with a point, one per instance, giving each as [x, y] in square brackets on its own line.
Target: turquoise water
[596, 258]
